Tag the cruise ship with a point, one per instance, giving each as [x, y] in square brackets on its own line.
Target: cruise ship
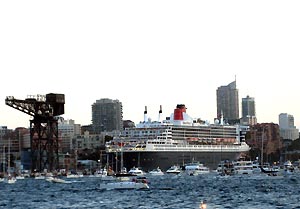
[177, 140]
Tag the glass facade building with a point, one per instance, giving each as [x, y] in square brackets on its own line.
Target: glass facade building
[228, 103]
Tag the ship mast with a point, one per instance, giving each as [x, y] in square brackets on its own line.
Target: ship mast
[8, 160]
[262, 147]
[122, 160]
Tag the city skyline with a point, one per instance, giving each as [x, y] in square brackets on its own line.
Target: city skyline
[150, 54]
[152, 114]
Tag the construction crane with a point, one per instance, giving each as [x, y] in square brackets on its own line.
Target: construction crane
[43, 127]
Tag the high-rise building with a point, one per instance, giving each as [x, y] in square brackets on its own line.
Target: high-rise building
[248, 106]
[107, 115]
[228, 103]
[286, 120]
[248, 111]
[287, 127]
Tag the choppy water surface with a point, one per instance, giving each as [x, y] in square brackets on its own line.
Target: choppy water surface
[165, 192]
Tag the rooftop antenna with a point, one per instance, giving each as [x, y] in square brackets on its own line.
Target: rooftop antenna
[235, 79]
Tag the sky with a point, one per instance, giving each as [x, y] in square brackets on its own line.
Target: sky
[150, 53]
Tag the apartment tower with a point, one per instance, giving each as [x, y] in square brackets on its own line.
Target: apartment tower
[107, 115]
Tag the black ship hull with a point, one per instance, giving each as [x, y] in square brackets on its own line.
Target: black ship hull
[150, 160]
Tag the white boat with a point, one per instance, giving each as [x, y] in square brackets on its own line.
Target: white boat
[100, 173]
[176, 140]
[107, 178]
[174, 170]
[10, 179]
[268, 169]
[136, 171]
[74, 175]
[196, 168]
[20, 177]
[136, 183]
[103, 174]
[57, 180]
[288, 167]
[39, 176]
[243, 166]
[256, 167]
[156, 172]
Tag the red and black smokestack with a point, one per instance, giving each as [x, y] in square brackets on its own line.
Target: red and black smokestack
[178, 112]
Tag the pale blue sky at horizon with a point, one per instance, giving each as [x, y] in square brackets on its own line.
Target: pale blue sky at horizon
[150, 53]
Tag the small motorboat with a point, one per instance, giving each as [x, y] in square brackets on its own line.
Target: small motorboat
[174, 170]
[10, 179]
[156, 172]
[136, 171]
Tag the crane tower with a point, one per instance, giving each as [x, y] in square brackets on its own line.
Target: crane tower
[43, 127]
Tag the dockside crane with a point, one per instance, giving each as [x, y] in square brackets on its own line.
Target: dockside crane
[43, 127]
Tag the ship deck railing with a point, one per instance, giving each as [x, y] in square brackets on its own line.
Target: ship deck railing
[166, 147]
[197, 148]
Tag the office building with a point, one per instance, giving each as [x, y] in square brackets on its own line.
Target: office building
[287, 127]
[228, 103]
[248, 111]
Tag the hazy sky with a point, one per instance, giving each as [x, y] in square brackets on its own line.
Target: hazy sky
[150, 53]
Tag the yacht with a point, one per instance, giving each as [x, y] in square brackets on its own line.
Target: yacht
[196, 168]
[243, 166]
[156, 172]
[136, 171]
[174, 170]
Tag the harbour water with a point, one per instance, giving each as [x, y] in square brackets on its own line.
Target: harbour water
[167, 191]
